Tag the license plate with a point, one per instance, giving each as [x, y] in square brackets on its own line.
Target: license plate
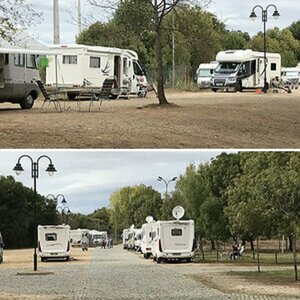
[178, 254]
[54, 253]
[219, 84]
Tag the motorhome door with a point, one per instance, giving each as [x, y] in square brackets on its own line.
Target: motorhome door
[117, 69]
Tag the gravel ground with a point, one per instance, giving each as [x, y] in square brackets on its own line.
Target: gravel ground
[195, 120]
[114, 274]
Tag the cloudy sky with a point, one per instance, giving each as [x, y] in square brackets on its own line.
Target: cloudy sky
[234, 13]
[87, 178]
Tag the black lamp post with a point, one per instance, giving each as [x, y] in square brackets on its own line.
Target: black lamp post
[159, 178]
[35, 174]
[264, 20]
[64, 210]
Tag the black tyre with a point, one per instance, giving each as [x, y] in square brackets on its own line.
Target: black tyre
[71, 96]
[154, 258]
[238, 87]
[43, 259]
[159, 260]
[214, 90]
[67, 258]
[27, 102]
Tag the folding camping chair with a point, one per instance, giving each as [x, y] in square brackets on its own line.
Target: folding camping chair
[49, 97]
[104, 94]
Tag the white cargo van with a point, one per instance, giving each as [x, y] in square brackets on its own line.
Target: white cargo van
[78, 66]
[244, 69]
[173, 240]
[1, 248]
[54, 242]
[205, 73]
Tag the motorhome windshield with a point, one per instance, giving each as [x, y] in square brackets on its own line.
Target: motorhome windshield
[205, 72]
[227, 67]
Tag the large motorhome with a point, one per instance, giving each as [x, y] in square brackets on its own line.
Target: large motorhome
[291, 76]
[1, 248]
[244, 69]
[96, 238]
[78, 66]
[146, 247]
[172, 240]
[76, 236]
[54, 242]
[204, 74]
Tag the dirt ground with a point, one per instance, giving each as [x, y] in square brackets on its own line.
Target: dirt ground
[194, 120]
[22, 259]
[236, 285]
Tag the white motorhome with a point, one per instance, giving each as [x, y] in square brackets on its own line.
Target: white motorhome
[18, 68]
[173, 240]
[1, 248]
[54, 242]
[244, 69]
[138, 239]
[125, 235]
[76, 66]
[291, 76]
[146, 246]
[205, 73]
[76, 236]
[96, 238]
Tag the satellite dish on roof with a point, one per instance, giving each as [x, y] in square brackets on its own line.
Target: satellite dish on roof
[132, 226]
[178, 212]
[149, 219]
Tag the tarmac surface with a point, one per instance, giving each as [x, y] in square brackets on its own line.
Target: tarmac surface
[113, 274]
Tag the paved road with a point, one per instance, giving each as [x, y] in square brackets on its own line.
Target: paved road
[113, 274]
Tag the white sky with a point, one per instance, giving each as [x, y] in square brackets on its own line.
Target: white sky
[88, 177]
[235, 14]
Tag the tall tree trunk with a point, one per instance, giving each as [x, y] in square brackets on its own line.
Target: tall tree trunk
[291, 243]
[159, 68]
[251, 244]
[258, 260]
[295, 254]
[213, 246]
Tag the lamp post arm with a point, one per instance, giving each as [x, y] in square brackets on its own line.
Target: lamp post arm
[271, 5]
[253, 9]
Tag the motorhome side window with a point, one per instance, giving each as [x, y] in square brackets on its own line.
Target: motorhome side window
[6, 58]
[31, 61]
[19, 60]
[51, 237]
[70, 59]
[176, 232]
[95, 62]
[273, 66]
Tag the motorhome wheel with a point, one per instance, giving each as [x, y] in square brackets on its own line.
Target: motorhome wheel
[239, 87]
[27, 102]
[214, 90]
[159, 260]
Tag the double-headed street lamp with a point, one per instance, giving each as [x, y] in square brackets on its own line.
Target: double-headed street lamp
[166, 182]
[264, 20]
[35, 174]
[63, 210]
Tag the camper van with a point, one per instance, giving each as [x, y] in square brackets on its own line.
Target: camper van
[244, 69]
[125, 235]
[172, 240]
[1, 248]
[78, 66]
[54, 242]
[17, 71]
[146, 241]
[291, 76]
[138, 239]
[96, 238]
[76, 236]
[204, 74]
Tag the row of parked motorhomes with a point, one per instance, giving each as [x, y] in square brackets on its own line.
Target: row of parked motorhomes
[244, 69]
[163, 240]
[56, 241]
